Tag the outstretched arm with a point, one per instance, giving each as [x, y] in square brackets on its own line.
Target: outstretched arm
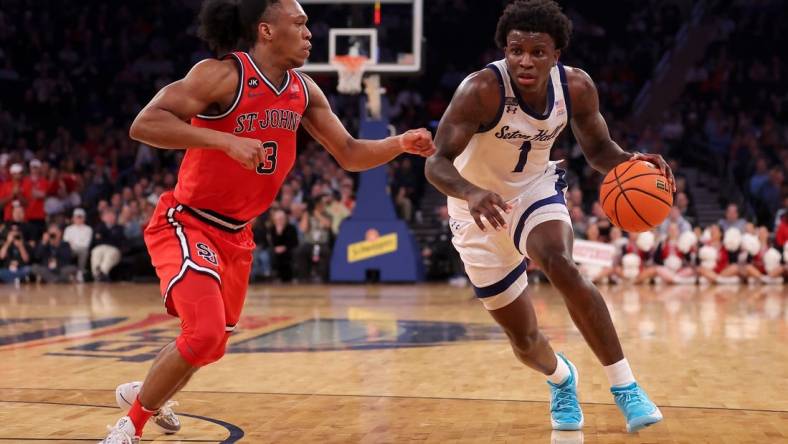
[591, 132]
[164, 122]
[474, 104]
[356, 154]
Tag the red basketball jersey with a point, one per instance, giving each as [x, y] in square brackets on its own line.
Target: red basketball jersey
[211, 180]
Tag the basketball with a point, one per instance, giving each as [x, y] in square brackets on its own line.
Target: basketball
[636, 196]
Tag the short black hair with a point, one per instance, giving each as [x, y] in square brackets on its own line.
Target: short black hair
[534, 16]
[227, 25]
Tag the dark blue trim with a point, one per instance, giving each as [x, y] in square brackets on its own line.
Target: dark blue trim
[502, 285]
[527, 109]
[557, 198]
[494, 123]
[567, 98]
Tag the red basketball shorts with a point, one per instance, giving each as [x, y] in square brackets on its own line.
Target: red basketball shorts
[182, 240]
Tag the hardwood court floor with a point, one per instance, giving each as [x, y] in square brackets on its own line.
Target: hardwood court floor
[337, 364]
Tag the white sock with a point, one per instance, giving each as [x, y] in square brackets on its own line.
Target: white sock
[619, 374]
[561, 372]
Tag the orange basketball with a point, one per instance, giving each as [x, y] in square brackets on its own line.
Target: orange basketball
[636, 196]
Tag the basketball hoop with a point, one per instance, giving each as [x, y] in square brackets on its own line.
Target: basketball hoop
[351, 70]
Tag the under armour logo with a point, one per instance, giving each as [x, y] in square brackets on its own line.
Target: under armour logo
[253, 82]
[206, 253]
[511, 109]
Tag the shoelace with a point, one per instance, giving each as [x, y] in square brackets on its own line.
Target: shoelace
[118, 434]
[564, 399]
[634, 395]
[166, 409]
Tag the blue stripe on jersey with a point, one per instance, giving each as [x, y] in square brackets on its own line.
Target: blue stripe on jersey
[565, 87]
[494, 123]
[557, 198]
[527, 109]
[502, 285]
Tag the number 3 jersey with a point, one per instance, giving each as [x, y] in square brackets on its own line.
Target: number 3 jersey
[212, 181]
[514, 150]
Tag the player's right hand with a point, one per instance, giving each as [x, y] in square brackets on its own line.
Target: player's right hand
[248, 152]
[488, 204]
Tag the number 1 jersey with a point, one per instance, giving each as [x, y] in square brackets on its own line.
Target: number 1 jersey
[514, 150]
[211, 180]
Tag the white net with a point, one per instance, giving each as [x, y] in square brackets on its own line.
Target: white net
[351, 71]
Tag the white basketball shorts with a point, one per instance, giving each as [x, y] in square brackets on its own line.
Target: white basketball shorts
[495, 261]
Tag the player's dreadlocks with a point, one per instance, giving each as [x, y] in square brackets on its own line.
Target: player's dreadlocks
[534, 16]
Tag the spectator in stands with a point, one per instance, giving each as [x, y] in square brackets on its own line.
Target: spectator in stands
[283, 238]
[769, 195]
[683, 203]
[13, 191]
[732, 219]
[441, 258]
[78, 235]
[14, 256]
[261, 257]
[579, 221]
[54, 261]
[336, 210]
[36, 186]
[108, 239]
[760, 176]
[313, 255]
[674, 217]
[18, 218]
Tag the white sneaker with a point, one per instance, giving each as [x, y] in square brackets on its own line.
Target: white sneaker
[165, 420]
[122, 433]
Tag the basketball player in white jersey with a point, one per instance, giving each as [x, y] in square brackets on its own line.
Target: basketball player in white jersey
[506, 199]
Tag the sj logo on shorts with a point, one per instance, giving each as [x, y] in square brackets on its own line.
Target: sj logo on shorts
[206, 253]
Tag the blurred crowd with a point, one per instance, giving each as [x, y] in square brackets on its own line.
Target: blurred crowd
[76, 192]
[731, 251]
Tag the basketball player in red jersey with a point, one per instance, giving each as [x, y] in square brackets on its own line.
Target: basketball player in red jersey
[506, 199]
[244, 111]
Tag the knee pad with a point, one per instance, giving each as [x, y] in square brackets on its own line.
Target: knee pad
[198, 300]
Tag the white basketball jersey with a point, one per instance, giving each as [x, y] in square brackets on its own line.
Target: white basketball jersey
[515, 149]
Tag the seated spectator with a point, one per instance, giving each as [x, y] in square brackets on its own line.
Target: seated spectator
[284, 240]
[732, 219]
[336, 210]
[108, 239]
[687, 212]
[314, 253]
[579, 221]
[261, 257]
[54, 261]
[20, 221]
[14, 256]
[674, 217]
[441, 258]
[78, 235]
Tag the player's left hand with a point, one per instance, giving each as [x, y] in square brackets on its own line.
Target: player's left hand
[657, 160]
[418, 141]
